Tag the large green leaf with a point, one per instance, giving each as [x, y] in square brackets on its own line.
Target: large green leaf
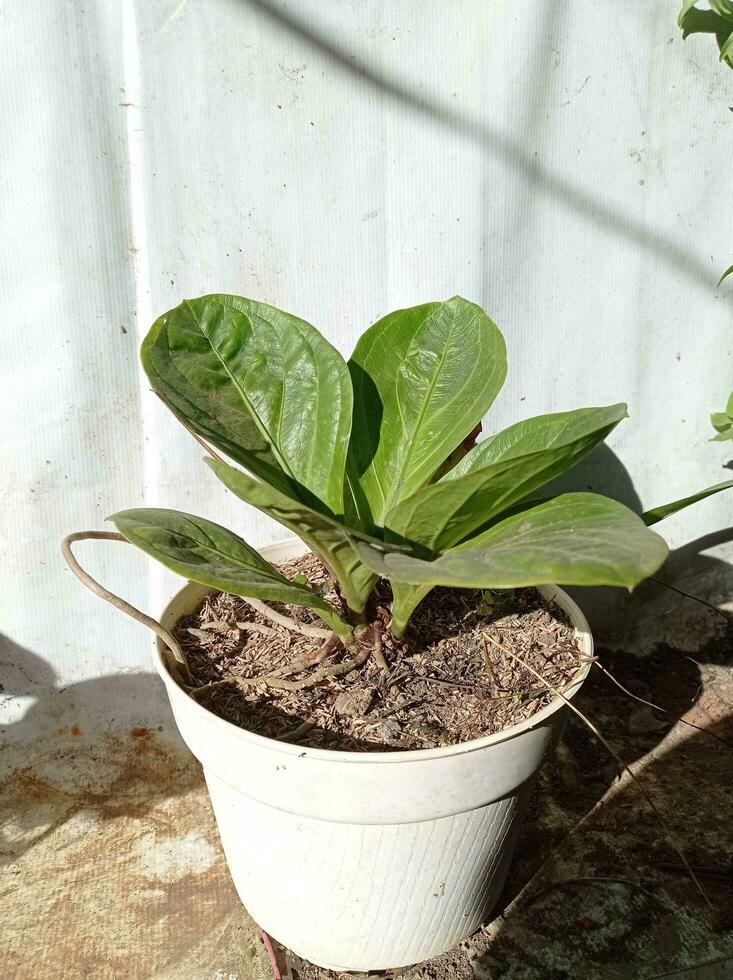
[261, 385]
[573, 539]
[423, 378]
[329, 539]
[496, 474]
[659, 513]
[207, 553]
[559, 432]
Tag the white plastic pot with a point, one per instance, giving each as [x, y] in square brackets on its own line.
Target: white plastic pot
[367, 860]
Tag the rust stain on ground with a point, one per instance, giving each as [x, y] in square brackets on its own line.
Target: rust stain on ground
[112, 866]
[75, 730]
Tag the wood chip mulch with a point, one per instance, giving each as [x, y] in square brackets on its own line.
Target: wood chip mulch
[447, 683]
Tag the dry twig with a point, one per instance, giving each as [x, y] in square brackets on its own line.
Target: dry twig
[590, 880]
[280, 683]
[656, 707]
[668, 833]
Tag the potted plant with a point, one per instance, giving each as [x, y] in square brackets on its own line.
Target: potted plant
[370, 859]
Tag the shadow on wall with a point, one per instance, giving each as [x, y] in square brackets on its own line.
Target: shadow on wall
[520, 162]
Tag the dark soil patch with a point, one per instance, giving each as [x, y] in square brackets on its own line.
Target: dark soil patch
[446, 682]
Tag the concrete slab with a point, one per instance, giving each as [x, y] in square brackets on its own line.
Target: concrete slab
[113, 868]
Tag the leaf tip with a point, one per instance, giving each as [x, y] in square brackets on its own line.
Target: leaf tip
[728, 272]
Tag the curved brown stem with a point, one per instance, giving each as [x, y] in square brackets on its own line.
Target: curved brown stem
[86, 579]
[179, 667]
[287, 621]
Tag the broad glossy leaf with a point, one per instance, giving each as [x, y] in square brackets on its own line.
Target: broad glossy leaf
[261, 385]
[659, 513]
[496, 474]
[573, 539]
[423, 378]
[329, 539]
[207, 553]
[407, 596]
[558, 431]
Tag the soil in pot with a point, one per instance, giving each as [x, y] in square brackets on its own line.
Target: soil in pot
[446, 681]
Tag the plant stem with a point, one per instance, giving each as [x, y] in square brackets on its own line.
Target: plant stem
[179, 666]
[287, 621]
[377, 652]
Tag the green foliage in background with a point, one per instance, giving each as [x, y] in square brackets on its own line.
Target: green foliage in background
[716, 17]
[722, 422]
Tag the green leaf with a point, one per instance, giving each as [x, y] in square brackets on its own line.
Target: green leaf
[423, 378]
[329, 539]
[489, 480]
[725, 275]
[724, 8]
[692, 20]
[724, 436]
[721, 421]
[261, 385]
[559, 431]
[496, 474]
[659, 513]
[729, 406]
[725, 40]
[573, 539]
[687, 5]
[207, 553]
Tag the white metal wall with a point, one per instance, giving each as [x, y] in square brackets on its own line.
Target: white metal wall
[565, 164]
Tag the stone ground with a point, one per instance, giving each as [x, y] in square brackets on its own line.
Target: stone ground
[110, 866]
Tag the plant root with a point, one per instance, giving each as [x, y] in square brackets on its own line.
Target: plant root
[280, 683]
[377, 652]
[287, 621]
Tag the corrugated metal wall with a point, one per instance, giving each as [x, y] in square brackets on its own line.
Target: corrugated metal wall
[567, 165]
